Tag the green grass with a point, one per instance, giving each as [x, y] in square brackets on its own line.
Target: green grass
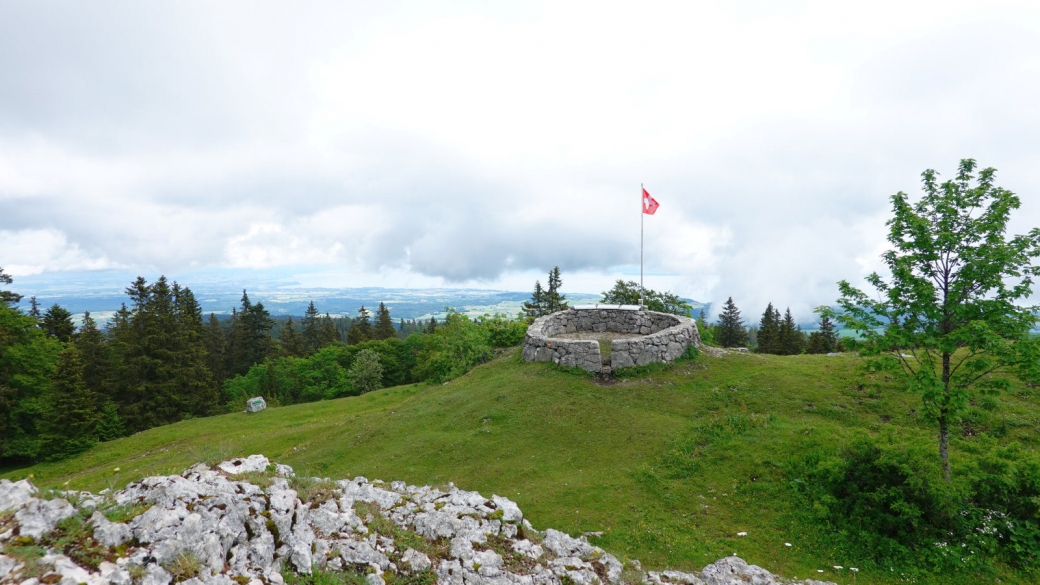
[669, 463]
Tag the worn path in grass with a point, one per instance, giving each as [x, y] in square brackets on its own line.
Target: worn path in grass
[669, 464]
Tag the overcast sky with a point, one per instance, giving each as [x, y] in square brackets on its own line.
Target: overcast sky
[480, 144]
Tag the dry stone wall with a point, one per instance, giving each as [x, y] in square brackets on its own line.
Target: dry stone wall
[664, 338]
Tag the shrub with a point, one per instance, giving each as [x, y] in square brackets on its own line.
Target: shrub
[887, 501]
[366, 374]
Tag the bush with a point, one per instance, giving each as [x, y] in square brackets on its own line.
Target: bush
[452, 350]
[366, 374]
[887, 502]
[502, 331]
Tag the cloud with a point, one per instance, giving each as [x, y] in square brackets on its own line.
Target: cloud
[481, 145]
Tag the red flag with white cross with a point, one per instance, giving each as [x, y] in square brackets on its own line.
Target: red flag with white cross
[650, 204]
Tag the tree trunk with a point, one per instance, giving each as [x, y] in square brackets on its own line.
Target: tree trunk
[944, 430]
[944, 445]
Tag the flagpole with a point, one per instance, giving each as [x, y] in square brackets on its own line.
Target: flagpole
[641, 214]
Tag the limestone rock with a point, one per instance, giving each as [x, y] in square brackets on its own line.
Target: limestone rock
[110, 533]
[252, 463]
[416, 560]
[256, 404]
[39, 517]
[240, 533]
[15, 495]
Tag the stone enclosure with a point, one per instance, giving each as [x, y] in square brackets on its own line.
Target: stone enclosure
[636, 337]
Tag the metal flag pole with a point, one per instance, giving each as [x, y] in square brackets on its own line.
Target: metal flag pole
[642, 204]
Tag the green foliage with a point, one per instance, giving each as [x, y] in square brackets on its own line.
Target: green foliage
[730, 331]
[110, 424]
[71, 418]
[291, 343]
[7, 297]
[366, 373]
[549, 300]
[384, 328]
[887, 501]
[947, 320]
[57, 323]
[185, 566]
[361, 328]
[457, 345]
[322, 577]
[251, 329]
[159, 372]
[502, 331]
[706, 331]
[28, 359]
[769, 331]
[627, 293]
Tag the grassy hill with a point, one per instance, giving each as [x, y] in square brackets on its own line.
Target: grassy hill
[669, 464]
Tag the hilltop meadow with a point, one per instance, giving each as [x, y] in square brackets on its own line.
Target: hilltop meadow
[666, 464]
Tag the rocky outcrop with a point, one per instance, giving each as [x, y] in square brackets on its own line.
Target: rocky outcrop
[663, 338]
[219, 527]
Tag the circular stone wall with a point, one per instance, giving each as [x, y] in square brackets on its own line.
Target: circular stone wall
[662, 337]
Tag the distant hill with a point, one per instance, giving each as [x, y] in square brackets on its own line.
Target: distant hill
[101, 293]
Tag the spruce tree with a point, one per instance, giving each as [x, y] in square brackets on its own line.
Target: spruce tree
[769, 331]
[6, 296]
[311, 325]
[361, 328]
[110, 424]
[554, 300]
[384, 328]
[34, 308]
[730, 331]
[431, 326]
[197, 394]
[57, 323]
[292, 344]
[70, 422]
[817, 343]
[829, 333]
[214, 341]
[328, 334]
[791, 340]
[90, 342]
[253, 335]
[536, 306]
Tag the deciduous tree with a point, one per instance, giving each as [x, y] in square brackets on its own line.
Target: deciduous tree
[947, 319]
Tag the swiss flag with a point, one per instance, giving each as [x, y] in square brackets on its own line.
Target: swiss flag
[650, 204]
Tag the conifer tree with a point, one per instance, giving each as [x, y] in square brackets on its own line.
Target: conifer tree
[292, 344]
[196, 391]
[769, 331]
[431, 326]
[6, 296]
[536, 306]
[311, 325]
[57, 323]
[328, 333]
[384, 328]
[829, 333]
[90, 342]
[70, 423]
[791, 340]
[110, 424]
[360, 329]
[214, 341]
[730, 331]
[34, 308]
[554, 300]
[252, 335]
